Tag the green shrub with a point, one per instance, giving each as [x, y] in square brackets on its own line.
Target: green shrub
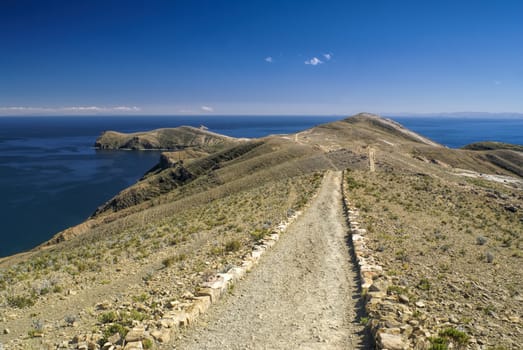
[438, 343]
[140, 298]
[113, 329]
[232, 245]
[147, 344]
[108, 317]
[455, 335]
[136, 315]
[20, 301]
[424, 284]
[168, 261]
[258, 235]
[364, 320]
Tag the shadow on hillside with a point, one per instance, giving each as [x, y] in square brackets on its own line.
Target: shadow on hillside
[368, 341]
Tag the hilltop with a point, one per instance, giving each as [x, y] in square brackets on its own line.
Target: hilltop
[445, 225]
[164, 139]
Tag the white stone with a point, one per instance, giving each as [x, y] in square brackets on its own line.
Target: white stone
[237, 273]
[226, 276]
[161, 335]
[419, 304]
[391, 341]
[356, 237]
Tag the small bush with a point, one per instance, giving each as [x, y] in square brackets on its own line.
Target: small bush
[396, 290]
[457, 336]
[113, 329]
[232, 245]
[136, 315]
[424, 284]
[141, 298]
[147, 344]
[108, 317]
[438, 343]
[20, 301]
[168, 261]
[37, 330]
[364, 320]
[490, 257]
[258, 235]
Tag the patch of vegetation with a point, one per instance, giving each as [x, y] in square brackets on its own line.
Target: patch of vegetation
[147, 344]
[364, 320]
[258, 235]
[108, 317]
[457, 336]
[37, 330]
[111, 330]
[20, 301]
[424, 284]
[438, 343]
[142, 298]
[232, 245]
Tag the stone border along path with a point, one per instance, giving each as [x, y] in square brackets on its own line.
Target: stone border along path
[304, 294]
[387, 315]
[208, 293]
[390, 321]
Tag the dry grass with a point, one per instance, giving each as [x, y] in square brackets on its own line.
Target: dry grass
[426, 230]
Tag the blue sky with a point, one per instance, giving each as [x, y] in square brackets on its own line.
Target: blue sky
[260, 57]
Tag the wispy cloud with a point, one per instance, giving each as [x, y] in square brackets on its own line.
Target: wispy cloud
[314, 61]
[207, 109]
[269, 59]
[67, 109]
[126, 108]
[497, 82]
[327, 56]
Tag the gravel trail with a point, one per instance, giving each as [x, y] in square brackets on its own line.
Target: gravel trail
[302, 295]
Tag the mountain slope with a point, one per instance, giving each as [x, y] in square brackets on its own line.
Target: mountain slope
[205, 205]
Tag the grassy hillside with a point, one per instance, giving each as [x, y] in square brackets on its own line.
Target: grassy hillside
[207, 203]
[168, 139]
[452, 247]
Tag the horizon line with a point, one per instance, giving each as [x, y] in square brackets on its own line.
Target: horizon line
[386, 114]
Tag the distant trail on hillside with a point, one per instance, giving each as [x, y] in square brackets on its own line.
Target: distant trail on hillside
[302, 295]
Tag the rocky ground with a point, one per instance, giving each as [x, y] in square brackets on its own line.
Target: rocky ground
[451, 251]
[304, 293]
[437, 240]
[88, 292]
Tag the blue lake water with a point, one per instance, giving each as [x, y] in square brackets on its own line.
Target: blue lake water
[51, 177]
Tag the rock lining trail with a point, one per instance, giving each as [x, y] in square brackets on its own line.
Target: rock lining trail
[302, 295]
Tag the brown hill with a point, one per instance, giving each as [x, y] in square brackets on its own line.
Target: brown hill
[204, 206]
[165, 139]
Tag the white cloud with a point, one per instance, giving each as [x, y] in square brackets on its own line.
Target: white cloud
[207, 109]
[327, 56]
[125, 108]
[24, 109]
[84, 109]
[100, 109]
[67, 109]
[314, 61]
[268, 59]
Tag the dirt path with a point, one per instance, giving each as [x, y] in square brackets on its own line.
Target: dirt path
[302, 295]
